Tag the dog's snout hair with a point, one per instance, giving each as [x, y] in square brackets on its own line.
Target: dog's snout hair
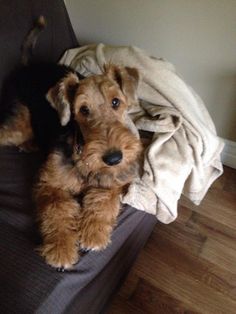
[109, 148]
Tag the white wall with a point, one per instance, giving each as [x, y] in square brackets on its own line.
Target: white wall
[198, 36]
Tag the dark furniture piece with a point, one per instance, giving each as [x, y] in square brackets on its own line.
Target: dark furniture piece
[27, 284]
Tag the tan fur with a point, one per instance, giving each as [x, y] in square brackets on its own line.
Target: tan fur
[66, 224]
[59, 96]
[17, 130]
[97, 217]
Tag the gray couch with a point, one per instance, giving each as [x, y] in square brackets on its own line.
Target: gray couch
[27, 284]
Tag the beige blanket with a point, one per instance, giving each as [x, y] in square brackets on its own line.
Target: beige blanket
[184, 156]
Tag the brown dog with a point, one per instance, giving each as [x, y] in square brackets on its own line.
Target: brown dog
[91, 156]
[100, 169]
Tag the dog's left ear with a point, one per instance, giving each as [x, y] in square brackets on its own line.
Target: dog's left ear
[127, 79]
[61, 96]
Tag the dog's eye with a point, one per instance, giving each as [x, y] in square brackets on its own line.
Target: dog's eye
[115, 103]
[84, 110]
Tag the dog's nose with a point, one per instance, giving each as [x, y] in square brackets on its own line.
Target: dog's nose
[112, 158]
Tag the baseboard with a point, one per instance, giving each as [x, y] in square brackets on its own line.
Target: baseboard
[228, 156]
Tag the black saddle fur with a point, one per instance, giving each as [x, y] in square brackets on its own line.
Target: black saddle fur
[29, 85]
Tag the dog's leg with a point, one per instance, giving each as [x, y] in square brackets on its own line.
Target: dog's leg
[97, 218]
[58, 212]
[17, 129]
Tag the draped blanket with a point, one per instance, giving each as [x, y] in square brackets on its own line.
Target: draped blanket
[184, 154]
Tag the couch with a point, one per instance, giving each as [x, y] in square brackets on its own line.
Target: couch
[27, 284]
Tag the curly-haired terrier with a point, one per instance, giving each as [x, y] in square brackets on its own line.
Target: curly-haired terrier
[91, 155]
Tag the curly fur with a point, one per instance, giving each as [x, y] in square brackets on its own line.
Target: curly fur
[77, 194]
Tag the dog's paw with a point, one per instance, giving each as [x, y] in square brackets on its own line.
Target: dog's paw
[103, 179]
[28, 147]
[94, 238]
[59, 255]
[84, 250]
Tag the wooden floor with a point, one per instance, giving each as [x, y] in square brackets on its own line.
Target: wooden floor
[188, 266]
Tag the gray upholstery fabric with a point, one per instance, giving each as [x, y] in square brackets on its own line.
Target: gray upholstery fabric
[27, 284]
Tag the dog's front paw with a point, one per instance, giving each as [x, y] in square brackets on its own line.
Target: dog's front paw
[103, 179]
[28, 147]
[95, 238]
[59, 254]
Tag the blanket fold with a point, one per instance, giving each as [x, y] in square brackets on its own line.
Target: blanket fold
[184, 155]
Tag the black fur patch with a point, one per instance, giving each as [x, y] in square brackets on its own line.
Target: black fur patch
[65, 142]
[29, 85]
[118, 78]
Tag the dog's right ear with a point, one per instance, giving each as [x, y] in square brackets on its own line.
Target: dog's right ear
[61, 96]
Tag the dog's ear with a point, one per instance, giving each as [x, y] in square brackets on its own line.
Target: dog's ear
[61, 96]
[127, 79]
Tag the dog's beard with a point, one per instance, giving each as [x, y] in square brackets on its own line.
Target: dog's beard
[95, 172]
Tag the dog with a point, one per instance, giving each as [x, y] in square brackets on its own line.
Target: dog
[90, 154]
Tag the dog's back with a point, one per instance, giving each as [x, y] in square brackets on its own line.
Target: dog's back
[32, 84]
[28, 86]
[25, 91]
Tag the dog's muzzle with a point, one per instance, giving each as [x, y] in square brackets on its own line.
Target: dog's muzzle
[112, 158]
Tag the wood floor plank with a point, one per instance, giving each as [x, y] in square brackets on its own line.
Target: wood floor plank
[188, 263]
[121, 306]
[184, 214]
[149, 298]
[220, 207]
[219, 254]
[230, 181]
[213, 229]
[194, 293]
[188, 266]
[129, 285]
[183, 235]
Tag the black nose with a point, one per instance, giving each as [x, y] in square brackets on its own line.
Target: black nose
[113, 158]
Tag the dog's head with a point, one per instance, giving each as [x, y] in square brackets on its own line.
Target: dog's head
[99, 105]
